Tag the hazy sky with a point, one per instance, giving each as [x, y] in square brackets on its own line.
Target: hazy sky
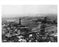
[19, 10]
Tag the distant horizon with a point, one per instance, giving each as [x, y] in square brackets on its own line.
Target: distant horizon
[31, 16]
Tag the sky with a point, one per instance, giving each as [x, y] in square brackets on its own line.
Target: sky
[26, 10]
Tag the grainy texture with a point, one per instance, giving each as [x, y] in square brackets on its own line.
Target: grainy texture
[30, 29]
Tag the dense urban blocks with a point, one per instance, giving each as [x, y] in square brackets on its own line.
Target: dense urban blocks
[30, 29]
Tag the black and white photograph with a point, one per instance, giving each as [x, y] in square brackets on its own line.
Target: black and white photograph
[29, 23]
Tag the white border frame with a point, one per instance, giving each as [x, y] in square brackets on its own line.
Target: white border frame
[28, 2]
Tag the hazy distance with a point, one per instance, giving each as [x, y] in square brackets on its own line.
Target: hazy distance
[27, 10]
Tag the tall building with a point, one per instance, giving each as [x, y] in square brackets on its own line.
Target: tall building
[19, 21]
